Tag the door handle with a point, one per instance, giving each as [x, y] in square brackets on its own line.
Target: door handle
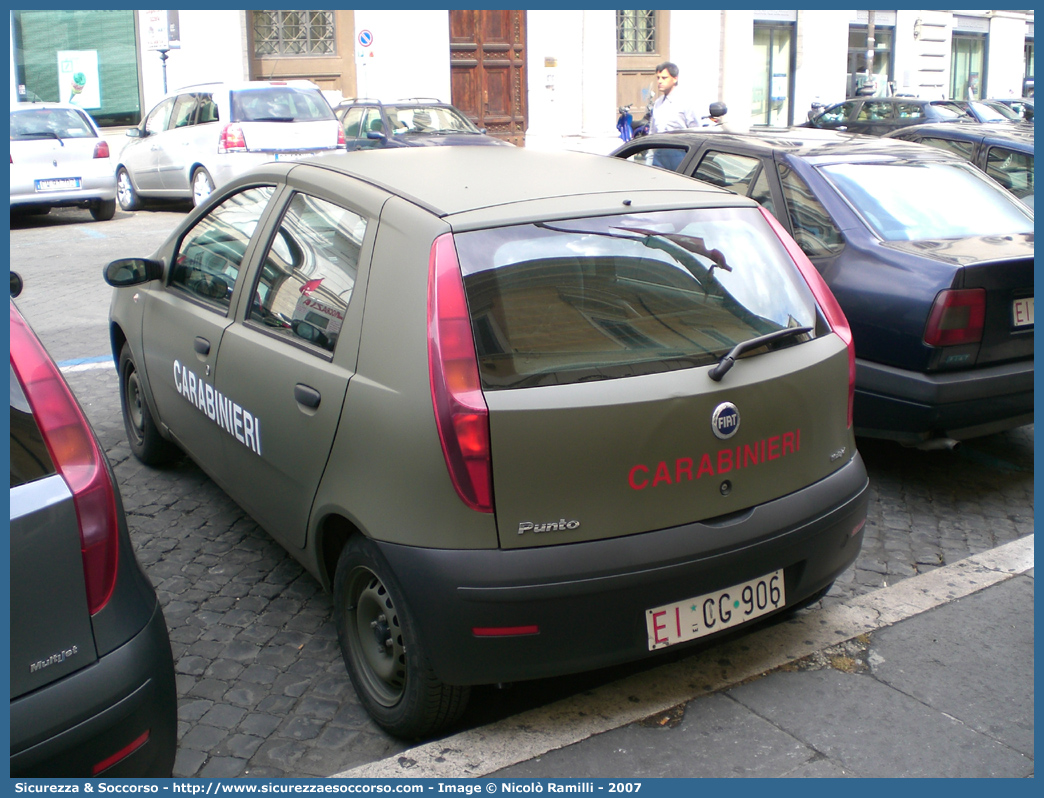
[201, 345]
[307, 396]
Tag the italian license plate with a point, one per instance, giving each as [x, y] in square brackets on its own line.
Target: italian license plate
[713, 612]
[58, 184]
[1022, 312]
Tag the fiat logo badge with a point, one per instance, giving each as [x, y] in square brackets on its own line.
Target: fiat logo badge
[725, 420]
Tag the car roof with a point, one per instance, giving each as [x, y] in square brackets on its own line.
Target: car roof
[820, 146]
[994, 132]
[456, 180]
[241, 85]
[29, 106]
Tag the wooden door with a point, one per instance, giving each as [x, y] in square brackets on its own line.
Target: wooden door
[488, 72]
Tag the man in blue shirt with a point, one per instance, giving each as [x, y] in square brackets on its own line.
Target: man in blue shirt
[671, 111]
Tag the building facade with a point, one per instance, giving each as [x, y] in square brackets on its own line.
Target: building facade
[544, 78]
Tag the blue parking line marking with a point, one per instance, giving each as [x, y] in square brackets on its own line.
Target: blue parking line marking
[90, 231]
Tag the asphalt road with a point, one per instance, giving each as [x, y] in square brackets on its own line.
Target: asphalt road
[263, 691]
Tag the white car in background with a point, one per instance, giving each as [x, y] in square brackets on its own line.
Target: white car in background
[201, 137]
[58, 158]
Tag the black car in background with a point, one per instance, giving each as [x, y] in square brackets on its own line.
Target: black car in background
[1020, 105]
[1004, 152]
[418, 122]
[930, 260]
[875, 116]
[988, 111]
[92, 676]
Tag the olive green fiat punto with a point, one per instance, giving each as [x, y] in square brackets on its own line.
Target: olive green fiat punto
[525, 414]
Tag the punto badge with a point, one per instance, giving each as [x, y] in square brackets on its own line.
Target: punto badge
[725, 420]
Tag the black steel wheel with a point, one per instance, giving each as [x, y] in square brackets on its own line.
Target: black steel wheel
[383, 655]
[142, 433]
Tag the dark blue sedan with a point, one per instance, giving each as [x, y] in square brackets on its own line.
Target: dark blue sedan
[931, 262]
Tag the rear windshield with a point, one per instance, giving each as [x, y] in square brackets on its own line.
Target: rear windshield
[49, 123]
[909, 201]
[279, 104]
[589, 299]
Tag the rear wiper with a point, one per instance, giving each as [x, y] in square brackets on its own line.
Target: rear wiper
[729, 360]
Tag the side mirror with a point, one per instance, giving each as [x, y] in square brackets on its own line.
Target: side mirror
[132, 271]
[135, 133]
[375, 134]
[16, 284]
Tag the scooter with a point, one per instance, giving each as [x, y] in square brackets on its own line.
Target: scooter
[628, 129]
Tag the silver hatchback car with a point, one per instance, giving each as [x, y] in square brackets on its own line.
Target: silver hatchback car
[201, 137]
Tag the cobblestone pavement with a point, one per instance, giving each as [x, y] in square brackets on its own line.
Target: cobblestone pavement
[262, 688]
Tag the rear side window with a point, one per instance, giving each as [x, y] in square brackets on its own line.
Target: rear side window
[279, 104]
[591, 299]
[30, 459]
[210, 254]
[308, 276]
[814, 229]
[909, 111]
[963, 148]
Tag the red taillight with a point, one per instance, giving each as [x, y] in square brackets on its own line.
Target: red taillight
[101, 149]
[461, 414]
[76, 456]
[232, 139]
[341, 142]
[824, 297]
[957, 317]
[123, 753]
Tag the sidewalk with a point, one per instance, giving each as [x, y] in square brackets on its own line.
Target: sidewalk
[930, 677]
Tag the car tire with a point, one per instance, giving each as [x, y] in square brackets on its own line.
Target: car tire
[202, 186]
[125, 193]
[143, 435]
[103, 210]
[376, 630]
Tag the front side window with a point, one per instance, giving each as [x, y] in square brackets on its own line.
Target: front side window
[837, 114]
[210, 254]
[309, 273]
[668, 158]
[157, 120]
[915, 201]
[814, 229]
[590, 299]
[727, 170]
[184, 113]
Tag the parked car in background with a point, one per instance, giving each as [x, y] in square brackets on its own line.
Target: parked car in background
[875, 116]
[1020, 105]
[665, 340]
[59, 159]
[371, 124]
[201, 137]
[931, 262]
[92, 676]
[1004, 152]
[987, 111]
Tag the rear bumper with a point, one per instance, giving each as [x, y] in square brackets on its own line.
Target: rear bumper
[912, 406]
[64, 729]
[589, 599]
[92, 187]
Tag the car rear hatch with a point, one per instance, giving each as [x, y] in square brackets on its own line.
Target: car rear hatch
[284, 119]
[597, 339]
[51, 631]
